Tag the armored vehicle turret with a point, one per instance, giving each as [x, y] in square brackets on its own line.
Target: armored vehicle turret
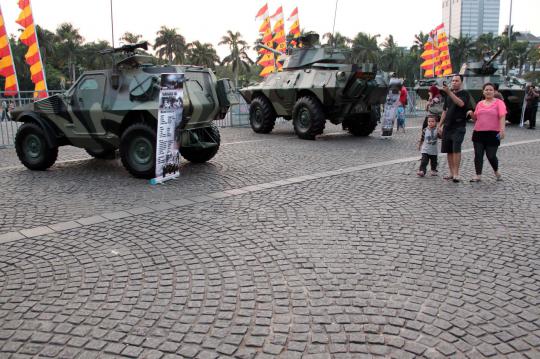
[117, 108]
[476, 74]
[317, 84]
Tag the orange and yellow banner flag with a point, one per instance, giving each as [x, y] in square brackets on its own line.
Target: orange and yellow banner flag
[279, 39]
[436, 54]
[294, 29]
[7, 67]
[33, 57]
[267, 59]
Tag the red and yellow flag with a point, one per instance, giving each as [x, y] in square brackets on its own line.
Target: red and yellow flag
[279, 39]
[7, 67]
[33, 57]
[294, 29]
[267, 60]
[436, 54]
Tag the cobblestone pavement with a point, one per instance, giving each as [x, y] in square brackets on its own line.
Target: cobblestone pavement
[277, 248]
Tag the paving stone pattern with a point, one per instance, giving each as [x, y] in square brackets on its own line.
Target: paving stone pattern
[82, 189]
[373, 263]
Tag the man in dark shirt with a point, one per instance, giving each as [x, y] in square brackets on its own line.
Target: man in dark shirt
[452, 124]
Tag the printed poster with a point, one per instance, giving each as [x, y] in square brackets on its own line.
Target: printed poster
[171, 102]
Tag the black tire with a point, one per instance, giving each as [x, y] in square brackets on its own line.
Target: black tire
[262, 116]
[514, 115]
[104, 154]
[201, 155]
[361, 126]
[32, 148]
[308, 118]
[138, 150]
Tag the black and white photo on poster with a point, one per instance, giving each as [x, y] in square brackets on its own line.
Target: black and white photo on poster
[169, 121]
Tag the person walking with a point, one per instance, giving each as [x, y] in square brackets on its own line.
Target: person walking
[489, 125]
[452, 124]
[531, 106]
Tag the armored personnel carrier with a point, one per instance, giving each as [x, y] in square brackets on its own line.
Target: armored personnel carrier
[317, 84]
[117, 108]
[475, 75]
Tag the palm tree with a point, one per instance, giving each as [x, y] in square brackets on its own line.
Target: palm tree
[69, 41]
[365, 48]
[506, 44]
[391, 54]
[46, 42]
[419, 40]
[238, 56]
[170, 45]
[130, 38]
[202, 54]
[460, 50]
[336, 40]
[486, 44]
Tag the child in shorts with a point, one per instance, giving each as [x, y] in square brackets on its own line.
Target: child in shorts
[400, 114]
[428, 147]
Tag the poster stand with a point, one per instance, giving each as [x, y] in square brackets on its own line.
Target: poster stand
[171, 101]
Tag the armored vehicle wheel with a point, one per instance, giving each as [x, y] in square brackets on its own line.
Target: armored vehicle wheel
[514, 116]
[105, 154]
[262, 116]
[209, 140]
[363, 125]
[308, 118]
[32, 148]
[138, 150]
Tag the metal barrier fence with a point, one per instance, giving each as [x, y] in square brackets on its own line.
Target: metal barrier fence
[237, 116]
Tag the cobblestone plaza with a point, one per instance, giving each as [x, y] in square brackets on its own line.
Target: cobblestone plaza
[277, 248]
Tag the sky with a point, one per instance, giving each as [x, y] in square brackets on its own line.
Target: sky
[208, 21]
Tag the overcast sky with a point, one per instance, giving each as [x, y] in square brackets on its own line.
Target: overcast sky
[207, 20]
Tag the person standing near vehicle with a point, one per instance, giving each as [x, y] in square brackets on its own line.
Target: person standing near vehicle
[532, 106]
[489, 124]
[452, 124]
[5, 113]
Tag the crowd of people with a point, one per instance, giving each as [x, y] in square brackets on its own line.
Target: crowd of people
[447, 118]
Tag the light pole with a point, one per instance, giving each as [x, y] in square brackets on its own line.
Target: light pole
[112, 25]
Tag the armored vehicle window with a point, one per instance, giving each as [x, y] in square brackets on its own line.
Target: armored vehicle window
[89, 84]
[91, 90]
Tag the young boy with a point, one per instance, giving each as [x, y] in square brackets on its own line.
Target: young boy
[400, 119]
[428, 147]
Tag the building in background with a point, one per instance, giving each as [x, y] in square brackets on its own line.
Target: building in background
[471, 17]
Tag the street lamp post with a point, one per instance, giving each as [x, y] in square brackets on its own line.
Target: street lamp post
[112, 24]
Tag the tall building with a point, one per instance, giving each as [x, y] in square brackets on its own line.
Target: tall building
[471, 17]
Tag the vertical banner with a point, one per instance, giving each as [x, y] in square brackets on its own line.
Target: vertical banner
[7, 67]
[33, 56]
[171, 103]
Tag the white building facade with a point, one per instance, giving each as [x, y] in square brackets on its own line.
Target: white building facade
[471, 17]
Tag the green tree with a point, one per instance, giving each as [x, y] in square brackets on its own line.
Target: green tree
[130, 38]
[171, 45]
[238, 58]
[419, 40]
[336, 40]
[461, 49]
[486, 44]
[391, 55]
[68, 41]
[365, 48]
[202, 54]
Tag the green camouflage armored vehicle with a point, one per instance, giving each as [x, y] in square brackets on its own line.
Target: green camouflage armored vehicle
[317, 84]
[475, 75]
[117, 108]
